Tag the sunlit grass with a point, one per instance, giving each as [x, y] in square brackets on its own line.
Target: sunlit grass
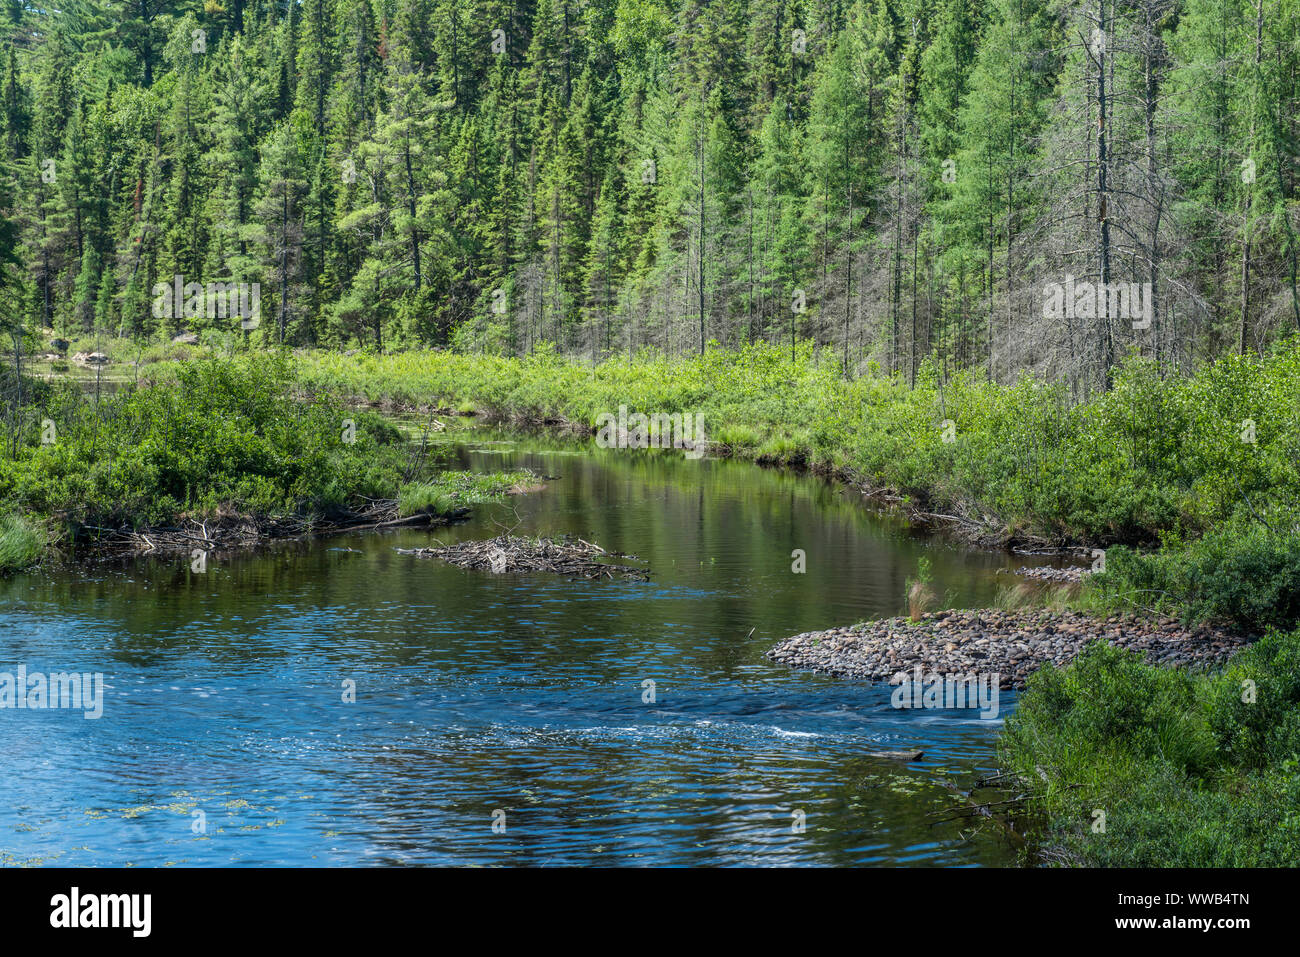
[453, 492]
[21, 543]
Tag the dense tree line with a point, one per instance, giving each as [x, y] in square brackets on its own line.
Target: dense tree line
[896, 181]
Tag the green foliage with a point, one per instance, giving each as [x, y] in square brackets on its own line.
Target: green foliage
[21, 543]
[453, 492]
[218, 435]
[1243, 572]
[425, 497]
[1191, 769]
[1155, 457]
[1107, 696]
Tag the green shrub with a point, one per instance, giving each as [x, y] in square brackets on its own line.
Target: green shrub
[1192, 769]
[1241, 573]
[213, 435]
[1252, 820]
[1109, 695]
[450, 492]
[21, 543]
[1254, 707]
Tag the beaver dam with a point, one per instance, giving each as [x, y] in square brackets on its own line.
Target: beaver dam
[566, 555]
[230, 530]
[450, 497]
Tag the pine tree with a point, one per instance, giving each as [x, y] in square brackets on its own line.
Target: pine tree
[279, 215]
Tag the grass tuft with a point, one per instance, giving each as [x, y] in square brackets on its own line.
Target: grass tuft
[21, 543]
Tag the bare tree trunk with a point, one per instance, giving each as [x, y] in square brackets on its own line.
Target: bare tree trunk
[701, 151]
[1246, 225]
[1103, 190]
[848, 277]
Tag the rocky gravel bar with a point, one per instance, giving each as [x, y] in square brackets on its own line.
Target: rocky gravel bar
[1045, 573]
[1009, 644]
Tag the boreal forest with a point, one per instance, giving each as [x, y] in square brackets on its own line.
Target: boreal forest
[889, 181]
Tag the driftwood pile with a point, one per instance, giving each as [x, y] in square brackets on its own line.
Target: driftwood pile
[566, 555]
[234, 530]
[1003, 813]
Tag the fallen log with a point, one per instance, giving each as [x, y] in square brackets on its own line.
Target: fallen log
[897, 755]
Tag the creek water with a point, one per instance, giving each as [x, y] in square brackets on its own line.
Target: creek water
[510, 700]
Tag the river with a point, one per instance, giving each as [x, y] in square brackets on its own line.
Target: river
[498, 719]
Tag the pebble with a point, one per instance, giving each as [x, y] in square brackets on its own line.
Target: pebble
[1045, 573]
[1010, 644]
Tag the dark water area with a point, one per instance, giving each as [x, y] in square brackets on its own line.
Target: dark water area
[225, 738]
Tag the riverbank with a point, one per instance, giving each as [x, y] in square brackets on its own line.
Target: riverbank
[214, 455]
[1135, 742]
[1028, 456]
[226, 531]
[1158, 463]
[1009, 644]
[1186, 484]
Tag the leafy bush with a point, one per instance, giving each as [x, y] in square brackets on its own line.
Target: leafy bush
[1243, 573]
[1251, 821]
[217, 435]
[1191, 769]
[1254, 708]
